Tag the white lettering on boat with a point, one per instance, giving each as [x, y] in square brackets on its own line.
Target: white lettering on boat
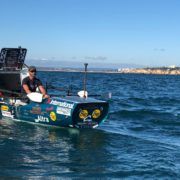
[42, 119]
[62, 104]
[63, 111]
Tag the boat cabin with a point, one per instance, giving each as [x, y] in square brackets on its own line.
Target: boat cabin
[12, 69]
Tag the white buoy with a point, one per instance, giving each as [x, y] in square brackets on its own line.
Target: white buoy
[82, 94]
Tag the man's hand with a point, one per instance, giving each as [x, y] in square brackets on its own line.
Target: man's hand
[46, 96]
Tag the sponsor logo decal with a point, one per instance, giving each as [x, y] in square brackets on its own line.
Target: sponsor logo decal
[42, 119]
[7, 114]
[53, 116]
[63, 111]
[62, 104]
[49, 108]
[36, 110]
[4, 108]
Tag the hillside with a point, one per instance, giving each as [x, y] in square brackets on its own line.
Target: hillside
[158, 70]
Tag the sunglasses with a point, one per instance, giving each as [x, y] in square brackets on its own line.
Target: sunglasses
[33, 71]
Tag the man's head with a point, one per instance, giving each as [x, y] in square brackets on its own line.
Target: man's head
[32, 71]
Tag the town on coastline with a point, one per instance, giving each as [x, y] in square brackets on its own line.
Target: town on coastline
[171, 70]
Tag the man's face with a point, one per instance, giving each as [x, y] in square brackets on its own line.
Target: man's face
[32, 73]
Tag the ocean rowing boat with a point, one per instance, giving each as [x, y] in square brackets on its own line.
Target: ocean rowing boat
[69, 111]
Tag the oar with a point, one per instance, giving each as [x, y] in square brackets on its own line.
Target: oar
[10, 92]
[107, 95]
[69, 92]
[56, 88]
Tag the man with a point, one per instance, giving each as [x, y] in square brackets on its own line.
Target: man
[31, 83]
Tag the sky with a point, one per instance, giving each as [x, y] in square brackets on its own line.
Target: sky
[142, 32]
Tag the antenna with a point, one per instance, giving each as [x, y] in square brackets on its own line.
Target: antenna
[85, 78]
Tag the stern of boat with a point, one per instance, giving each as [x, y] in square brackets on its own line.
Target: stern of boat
[90, 115]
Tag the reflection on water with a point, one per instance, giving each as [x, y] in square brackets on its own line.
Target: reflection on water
[33, 149]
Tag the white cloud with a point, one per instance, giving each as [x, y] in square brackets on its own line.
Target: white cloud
[95, 58]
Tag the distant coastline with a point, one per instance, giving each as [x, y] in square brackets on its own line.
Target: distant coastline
[148, 70]
[98, 70]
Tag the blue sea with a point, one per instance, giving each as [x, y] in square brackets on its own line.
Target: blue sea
[139, 140]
